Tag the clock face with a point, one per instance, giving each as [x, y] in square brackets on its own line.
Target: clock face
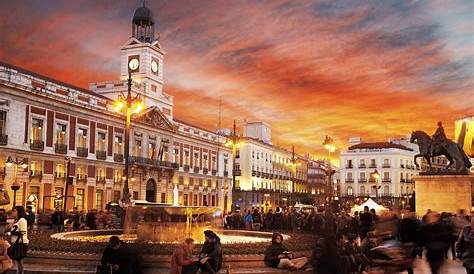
[154, 66]
[133, 64]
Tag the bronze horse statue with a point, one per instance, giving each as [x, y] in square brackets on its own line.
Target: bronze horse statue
[451, 151]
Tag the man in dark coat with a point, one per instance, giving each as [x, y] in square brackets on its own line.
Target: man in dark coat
[115, 258]
[211, 253]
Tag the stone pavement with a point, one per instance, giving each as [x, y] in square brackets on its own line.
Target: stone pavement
[450, 267]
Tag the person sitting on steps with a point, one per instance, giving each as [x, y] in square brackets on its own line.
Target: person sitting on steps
[278, 256]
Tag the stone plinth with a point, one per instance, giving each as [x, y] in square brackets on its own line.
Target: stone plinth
[443, 193]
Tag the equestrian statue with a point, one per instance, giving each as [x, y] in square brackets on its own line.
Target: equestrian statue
[440, 145]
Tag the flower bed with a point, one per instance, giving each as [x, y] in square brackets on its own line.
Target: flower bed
[43, 242]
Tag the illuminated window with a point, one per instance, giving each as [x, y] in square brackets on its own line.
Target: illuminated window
[3, 121]
[101, 145]
[185, 199]
[60, 171]
[176, 155]
[118, 176]
[99, 198]
[80, 173]
[186, 157]
[151, 150]
[196, 159]
[137, 148]
[195, 200]
[166, 154]
[36, 129]
[61, 134]
[82, 138]
[349, 191]
[80, 199]
[118, 145]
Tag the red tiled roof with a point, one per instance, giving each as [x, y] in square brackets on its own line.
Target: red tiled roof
[379, 145]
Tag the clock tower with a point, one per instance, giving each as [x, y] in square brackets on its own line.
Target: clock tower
[141, 57]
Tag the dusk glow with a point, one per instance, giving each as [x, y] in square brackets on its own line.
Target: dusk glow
[309, 69]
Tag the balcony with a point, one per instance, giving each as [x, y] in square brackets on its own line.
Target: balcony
[349, 181]
[60, 148]
[100, 179]
[3, 139]
[386, 180]
[118, 157]
[402, 165]
[101, 155]
[349, 166]
[196, 169]
[118, 181]
[226, 173]
[254, 173]
[362, 166]
[237, 172]
[402, 181]
[362, 180]
[186, 168]
[142, 161]
[81, 178]
[82, 151]
[408, 181]
[371, 180]
[214, 172]
[386, 165]
[37, 145]
[205, 170]
[38, 174]
[59, 175]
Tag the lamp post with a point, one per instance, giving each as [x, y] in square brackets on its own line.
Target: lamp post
[17, 162]
[68, 181]
[127, 104]
[328, 144]
[293, 165]
[234, 143]
[376, 177]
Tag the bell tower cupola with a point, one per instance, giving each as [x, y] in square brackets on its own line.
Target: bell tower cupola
[143, 24]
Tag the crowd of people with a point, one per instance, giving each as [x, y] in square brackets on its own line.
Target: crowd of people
[280, 220]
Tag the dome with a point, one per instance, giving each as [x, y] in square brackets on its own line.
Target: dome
[143, 16]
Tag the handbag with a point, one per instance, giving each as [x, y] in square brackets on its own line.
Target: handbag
[17, 251]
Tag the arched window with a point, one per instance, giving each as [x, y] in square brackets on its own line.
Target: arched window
[150, 191]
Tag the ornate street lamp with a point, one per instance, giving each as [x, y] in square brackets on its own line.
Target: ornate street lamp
[376, 177]
[328, 144]
[293, 164]
[23, 163]
[128, 105]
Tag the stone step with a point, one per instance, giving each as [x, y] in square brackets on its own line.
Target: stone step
[49, 269]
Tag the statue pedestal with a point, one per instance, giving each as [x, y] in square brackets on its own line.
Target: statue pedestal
[443, 193]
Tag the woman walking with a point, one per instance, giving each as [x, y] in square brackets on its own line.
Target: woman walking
[19, 239]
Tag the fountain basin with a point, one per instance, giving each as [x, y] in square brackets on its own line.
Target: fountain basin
[227, 236]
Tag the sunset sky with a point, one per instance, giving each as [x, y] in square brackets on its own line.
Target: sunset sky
[374, 69]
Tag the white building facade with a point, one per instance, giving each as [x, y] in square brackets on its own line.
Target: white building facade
[267, 176]
[393, 161]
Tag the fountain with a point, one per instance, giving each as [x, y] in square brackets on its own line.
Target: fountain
[148, 222]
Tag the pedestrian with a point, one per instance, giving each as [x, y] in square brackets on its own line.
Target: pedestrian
[269, 220]
[465, 247]
[210, 259]
[366, 220]
[19, 238]
[435, 238]
[182, 261]
[278, 256]
[30, 217]
[409, 233]
[91, 219]
[57, 221]
[248, 220]
[257, 220]
[114, 258]
[5, 262]
[325, 258]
